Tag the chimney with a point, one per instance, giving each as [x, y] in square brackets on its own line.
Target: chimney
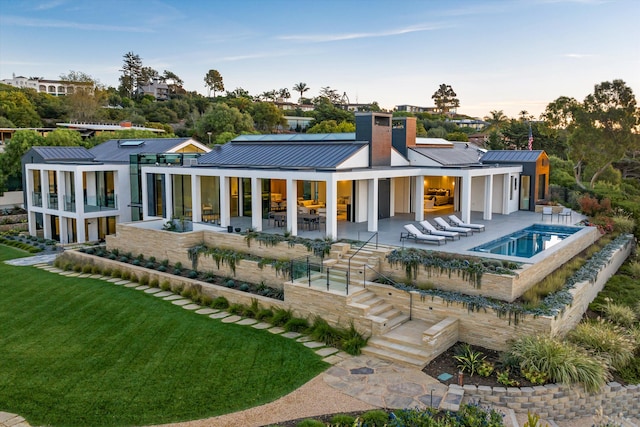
[376, 129]
[404, 133]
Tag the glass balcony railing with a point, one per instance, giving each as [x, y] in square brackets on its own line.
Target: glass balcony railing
[100, 203]
[52, 202]
[36, 198]
[69, 203]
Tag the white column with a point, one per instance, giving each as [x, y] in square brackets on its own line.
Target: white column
[418, 203]
[77, 178]
[196, 204]
[168, 195]
[256, 204]
[144, 196]
[465, 198]
[225, 209]
[488, 197]
[64, 238]
[32, 224]
[506, 193]
[372, 206]
[332, 209]
[392, 197]
[292, 206]
[60, 192]
[80, 235]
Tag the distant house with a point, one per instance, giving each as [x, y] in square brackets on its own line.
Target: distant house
[416, 109]
[156, 88]
[52, 87]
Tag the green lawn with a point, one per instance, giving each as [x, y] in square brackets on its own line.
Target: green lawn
[87, 352]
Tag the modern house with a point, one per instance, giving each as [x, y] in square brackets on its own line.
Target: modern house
[76, 195]
[375, 173]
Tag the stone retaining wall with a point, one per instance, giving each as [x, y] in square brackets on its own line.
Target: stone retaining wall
[559, 402]
[208, 289]
[503, 287]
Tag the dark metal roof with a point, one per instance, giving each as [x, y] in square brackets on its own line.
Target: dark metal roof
[511, 156]
[112, 151]
[298, 137]
[460, 154]
[281, 154]
[69, 154]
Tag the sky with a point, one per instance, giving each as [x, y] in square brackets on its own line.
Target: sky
[509, 55]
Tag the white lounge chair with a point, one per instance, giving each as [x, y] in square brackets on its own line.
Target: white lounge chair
[547, 210]
[454, 220]
[566, 213]
[444, 225]
[419, 236]
[430, 229]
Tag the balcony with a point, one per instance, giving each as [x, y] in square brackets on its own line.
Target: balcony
[100, 203]
[52, 202]
[69, 203]
[36, 198]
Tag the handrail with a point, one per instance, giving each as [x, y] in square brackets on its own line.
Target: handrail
[356, 253]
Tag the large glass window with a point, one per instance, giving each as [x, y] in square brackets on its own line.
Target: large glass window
[182, 204]
[210, 197]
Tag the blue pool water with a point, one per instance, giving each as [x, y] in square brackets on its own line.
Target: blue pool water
[529, 241]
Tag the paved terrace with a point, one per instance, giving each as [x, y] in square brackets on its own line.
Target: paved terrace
[389, 229]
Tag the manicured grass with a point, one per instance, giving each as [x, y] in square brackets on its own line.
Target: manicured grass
[87, 352]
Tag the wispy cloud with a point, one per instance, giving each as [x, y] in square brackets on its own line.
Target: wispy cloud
[49, 23]
[50, 5]
[578, 55]
[257, 56]
[321, 38]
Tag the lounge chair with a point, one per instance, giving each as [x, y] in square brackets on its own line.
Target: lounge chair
[454, 220]
[444, 225]
[430, 229]
[419, 236]
[566, 213]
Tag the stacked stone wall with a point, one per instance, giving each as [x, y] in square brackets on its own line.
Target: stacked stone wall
[559, 402]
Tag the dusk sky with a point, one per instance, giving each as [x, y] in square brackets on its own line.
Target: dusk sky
[497, 55]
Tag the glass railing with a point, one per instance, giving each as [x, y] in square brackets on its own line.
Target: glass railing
[311, 272]
[36, 198]
[69, 203]
[100, 203]
[52, 202]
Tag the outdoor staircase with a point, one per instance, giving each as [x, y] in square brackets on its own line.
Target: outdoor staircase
[384, 316]
[402, 344]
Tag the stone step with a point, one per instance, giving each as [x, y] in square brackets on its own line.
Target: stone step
[452, 399]
[410, 331]
[406, 349]
[393, 356]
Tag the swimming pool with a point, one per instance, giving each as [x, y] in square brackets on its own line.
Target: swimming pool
[529, 241]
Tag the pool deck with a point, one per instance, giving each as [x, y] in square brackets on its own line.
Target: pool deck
[389, 231]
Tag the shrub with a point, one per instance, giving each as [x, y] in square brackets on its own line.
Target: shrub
[87, 268]
[352, 341]
[116, 273]
[281, 316]
[296, 324]
[187, 293]
[149, 264]
[192, 274]
[504, 379]
[323, 332]
[177, 289]
[154, 283]
[243, 287]
[623, 224]
[310, 423]
[619, 314]
[165, 285]
[606, 340]
[178, 266]
[264, 314]
[230, 283]
[485, 369]
[563, 362]
[220, 303]
[96, 270]
[125, 275]
[468, 359]
[634, 269]
[342, 420]
[206, 300]
[144, 280]
[106, 272]
[375, 418]
[162, 268]
[133, 278]
[237, 309]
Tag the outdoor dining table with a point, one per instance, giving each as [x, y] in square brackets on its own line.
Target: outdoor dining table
[310, 221]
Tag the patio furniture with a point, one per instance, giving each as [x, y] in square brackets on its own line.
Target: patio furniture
[454, 220]
[430, 229]
[547, 210]
[441, 223]
[419, 236]
[565, 213]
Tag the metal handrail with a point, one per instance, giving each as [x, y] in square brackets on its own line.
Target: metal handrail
[356, 253]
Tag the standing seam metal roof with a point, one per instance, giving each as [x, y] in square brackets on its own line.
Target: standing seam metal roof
[514, 156]
[50, 153]
[110, 151]
[459, 154]
[284, 155]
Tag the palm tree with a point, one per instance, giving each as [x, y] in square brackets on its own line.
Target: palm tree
[301, 87]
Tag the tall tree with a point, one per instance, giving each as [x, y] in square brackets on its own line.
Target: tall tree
[284, 93]
[496, 118]
[301, 87]
[173, 81]
[267, 116]
[15, 106]
[601, 129]
[330, 94]
[222, 118]
[131, 70]
[213, 81]
[445, 98]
